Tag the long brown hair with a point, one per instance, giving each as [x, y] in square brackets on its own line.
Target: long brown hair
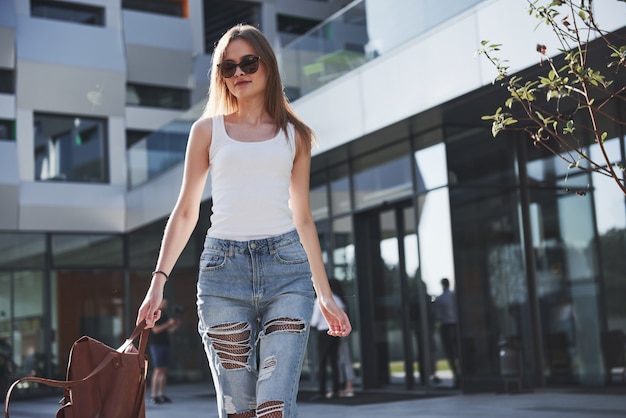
[222, 102]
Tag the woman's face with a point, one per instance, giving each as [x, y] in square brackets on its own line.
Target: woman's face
[244, 83]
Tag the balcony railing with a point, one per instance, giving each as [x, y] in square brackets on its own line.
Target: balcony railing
[359, 33]
[160, 150]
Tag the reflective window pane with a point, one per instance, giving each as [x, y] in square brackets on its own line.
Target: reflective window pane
[382, 176]
[157, 96]
[29, 350]
[22, 250]
[7, 81]
[339, 189]
[164, 7]
[319, 196]
[345, 271]
[431, 167]
[435, 240]
[612, 149]
[67, 11]
[87, 250]
[70, 148]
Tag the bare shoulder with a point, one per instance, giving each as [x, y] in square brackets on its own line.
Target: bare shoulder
[201, 132]
[202, 127]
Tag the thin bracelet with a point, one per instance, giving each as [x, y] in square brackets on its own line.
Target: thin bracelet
[161, 272]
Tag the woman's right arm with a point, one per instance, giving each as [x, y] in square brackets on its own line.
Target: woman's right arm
[183, 218]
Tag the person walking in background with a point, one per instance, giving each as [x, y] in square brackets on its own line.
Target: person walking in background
[160, 353]
[261, 267]
[445, 305]
[431, 317]
[327, 347]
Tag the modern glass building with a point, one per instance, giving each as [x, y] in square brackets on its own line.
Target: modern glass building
[407, 184]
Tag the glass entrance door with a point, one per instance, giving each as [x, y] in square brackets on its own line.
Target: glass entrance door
[387, 266]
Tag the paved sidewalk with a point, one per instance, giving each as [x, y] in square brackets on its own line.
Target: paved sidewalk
[196, 400]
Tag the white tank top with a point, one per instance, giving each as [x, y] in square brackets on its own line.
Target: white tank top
[250, 185]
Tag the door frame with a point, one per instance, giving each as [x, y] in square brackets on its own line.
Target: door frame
[367, 238]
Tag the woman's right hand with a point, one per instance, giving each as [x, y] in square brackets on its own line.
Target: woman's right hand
[149, 309]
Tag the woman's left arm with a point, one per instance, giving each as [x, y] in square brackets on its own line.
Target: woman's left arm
[303, 219]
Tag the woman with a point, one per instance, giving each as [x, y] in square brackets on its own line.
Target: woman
[255, 297]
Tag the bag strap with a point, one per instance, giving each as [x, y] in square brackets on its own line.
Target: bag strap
[143, 332]
[139, 330]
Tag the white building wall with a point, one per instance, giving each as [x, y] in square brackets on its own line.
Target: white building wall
[431, 69]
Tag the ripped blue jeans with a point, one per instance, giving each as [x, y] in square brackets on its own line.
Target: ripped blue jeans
[255, 300]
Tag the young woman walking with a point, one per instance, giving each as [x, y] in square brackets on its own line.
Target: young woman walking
[261, 268]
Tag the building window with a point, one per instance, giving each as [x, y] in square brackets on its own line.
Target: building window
[81, 250]
[382, 176]
[220, 15]
[7, 81]
[70, 148]
[163, 7]
[69, 12]
[295, 25]
[157, 96]
[7, 130]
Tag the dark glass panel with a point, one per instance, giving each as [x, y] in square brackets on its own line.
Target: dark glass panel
[87, 250]
[164, 7]
[66, 11]
[319, 196]
[382, 176]
[7, 81]
[157, 96]
[22, 250]
[339, 189]
[70, 148]
[7, 130]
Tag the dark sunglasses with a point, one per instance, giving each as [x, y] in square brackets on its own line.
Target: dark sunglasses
[248, 64]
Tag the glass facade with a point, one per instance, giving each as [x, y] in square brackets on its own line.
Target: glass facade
[533, 251]
[55, 288]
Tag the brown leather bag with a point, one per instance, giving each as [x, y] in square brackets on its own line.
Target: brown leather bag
[102, 382]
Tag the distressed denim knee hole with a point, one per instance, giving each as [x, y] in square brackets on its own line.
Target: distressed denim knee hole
[232, 344]
[284, 324]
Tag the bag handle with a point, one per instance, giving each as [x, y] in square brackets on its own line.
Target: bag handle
[139, 330]
[143, 340]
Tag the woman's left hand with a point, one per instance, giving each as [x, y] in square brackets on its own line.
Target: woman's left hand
[338, 321]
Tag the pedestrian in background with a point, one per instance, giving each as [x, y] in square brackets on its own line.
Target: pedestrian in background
[446, 315]
[160, 353]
